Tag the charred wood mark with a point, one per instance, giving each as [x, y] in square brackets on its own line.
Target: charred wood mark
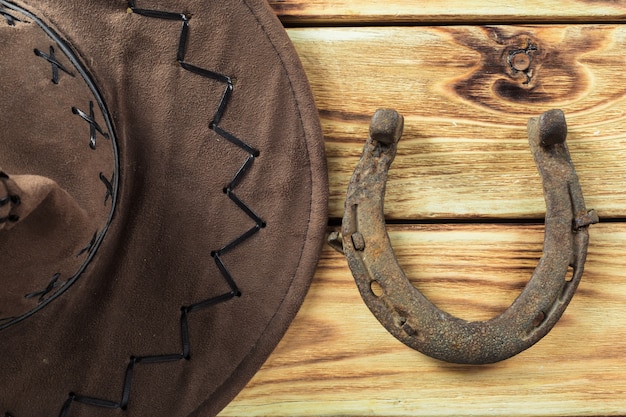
[285, 8]
[521, 60]
[521, 67]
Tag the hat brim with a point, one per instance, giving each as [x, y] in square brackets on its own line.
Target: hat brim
[220, 212]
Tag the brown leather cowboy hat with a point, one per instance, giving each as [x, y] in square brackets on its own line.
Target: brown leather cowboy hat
[163, 200]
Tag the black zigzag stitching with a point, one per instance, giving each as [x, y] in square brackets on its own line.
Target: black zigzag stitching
[217, 255]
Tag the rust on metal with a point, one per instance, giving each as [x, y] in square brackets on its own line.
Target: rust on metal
[410, 316]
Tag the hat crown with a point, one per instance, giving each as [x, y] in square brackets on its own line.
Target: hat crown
[58, 166]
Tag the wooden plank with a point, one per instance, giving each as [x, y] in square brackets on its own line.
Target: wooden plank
[336, 359]
[349, 12]
[464, 153]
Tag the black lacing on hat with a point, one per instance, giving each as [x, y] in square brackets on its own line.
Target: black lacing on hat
[109, 185]
[93, 125]
[54, 282]
[11, 200]
[89, 246]
[56, 65]
[8, 17]
[186, 311]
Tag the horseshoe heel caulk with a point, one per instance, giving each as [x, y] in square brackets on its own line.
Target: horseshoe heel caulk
[411, 317]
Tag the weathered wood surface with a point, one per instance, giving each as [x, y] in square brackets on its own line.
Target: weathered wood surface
[464, 165]
[346, 12]
[336, 359]
[464, 152]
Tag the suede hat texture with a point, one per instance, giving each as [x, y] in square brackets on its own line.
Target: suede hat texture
[163, 197]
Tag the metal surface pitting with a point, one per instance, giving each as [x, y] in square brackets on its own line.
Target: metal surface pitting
[411, 317]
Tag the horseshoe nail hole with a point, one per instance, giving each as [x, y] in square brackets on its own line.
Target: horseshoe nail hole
[539, 319]
[410, 331]
[570, 274]
[376, 289]
[406, 327]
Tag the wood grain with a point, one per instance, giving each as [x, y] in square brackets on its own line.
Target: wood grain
[336, 359]
[464, 153]
[466, 92]
[350, 12]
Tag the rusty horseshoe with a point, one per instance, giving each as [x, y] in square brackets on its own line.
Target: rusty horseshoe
[411, 317]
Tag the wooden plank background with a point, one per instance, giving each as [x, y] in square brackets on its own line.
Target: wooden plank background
[325, 12]
[465, 201]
